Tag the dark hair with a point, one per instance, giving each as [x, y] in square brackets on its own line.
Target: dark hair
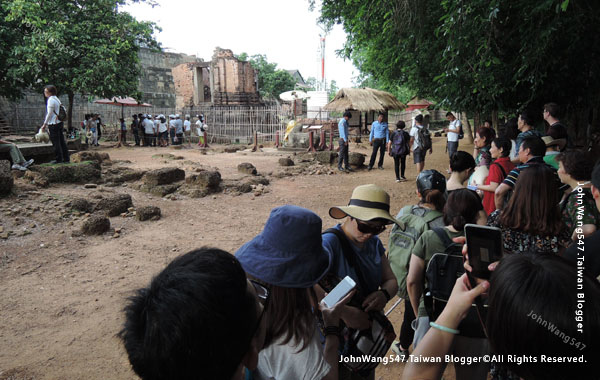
[511, 128]
[381, 113]
[121, 119]
[434, 197]
[596, 176]
[535, 144]
[449, 114]
[504, 144]
[51, 89]
[527, 117]
[195, 318]
[289, 316]
[134, 116]
[533, 207]
[487, 121]
[461, 161]
[419, 118]
[553, 109]
[557, 131]
[462, 207]
[348, 114]
[487, 134]
[577, 164]
[400, 124]
[532, 312]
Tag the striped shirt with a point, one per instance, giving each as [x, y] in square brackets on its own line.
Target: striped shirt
[511, 178]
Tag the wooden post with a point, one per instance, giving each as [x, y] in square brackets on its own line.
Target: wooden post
[331, 126]
[276, 139]
[311, 141]
[255, 138]
[322, 144]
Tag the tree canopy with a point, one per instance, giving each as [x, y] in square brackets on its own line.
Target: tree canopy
[481, 55]
[271, 80]
[88, 48]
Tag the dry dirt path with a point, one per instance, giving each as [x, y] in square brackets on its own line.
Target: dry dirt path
[61, 296]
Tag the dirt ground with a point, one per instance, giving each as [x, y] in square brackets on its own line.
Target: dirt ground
[61, 296]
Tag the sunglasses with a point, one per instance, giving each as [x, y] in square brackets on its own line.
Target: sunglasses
[262, 292]
[366, 228]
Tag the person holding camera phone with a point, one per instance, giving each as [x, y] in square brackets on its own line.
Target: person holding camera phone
[367, 215]
[287, 258]
[527, 293]
[463, 206]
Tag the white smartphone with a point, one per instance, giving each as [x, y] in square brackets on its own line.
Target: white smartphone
[340, 291]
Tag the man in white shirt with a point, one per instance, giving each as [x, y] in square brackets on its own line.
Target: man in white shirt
[55, 126]
[452, 132]
[148, 130]
[172, 127]
[187, 128]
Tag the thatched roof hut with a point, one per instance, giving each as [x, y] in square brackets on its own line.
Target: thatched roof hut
[363, 99]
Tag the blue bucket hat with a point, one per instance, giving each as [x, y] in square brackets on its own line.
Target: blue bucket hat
[288, 252]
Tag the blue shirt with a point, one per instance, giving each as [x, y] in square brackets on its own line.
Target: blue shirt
[369, 259]
[379, 131]
[523, 135]
[343, 129]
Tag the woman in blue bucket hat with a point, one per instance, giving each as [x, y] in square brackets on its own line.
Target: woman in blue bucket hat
[368, 214]
[288, 258]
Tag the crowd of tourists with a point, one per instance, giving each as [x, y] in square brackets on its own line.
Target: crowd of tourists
[162, 131]
[262, 313]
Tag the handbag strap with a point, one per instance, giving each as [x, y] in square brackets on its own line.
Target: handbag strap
[501, 169]
[349, 255]
[439, 231]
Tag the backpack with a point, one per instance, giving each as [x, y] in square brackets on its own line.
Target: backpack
[416, 220]
[399, 144]
[62, 112]
[461, 134]
[373, 342]
[424, 142]
[442, 271]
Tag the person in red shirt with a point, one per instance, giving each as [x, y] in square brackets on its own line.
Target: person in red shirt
[500, 151]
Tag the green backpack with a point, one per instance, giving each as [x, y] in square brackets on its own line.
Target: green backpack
[417, 220]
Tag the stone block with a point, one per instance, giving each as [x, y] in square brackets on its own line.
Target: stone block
[163, 176]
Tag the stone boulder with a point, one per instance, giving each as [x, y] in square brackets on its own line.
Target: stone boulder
[75, 172]
[121, 175]
[81, 204]
[326, 157]
[286, 161]
[201, 184]
[163, 176]
[36, 179]
[115, 204]
[6, 178]
[148, 213]
[247, 168]
[96, 225]
[356, 159]
[90, 156]
[161, 190]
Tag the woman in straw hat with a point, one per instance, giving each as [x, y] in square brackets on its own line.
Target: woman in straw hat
[288, 258]
[367, 215]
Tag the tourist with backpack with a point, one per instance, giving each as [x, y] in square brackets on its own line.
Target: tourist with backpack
[357, 252]
[463, 206]
[398, 147]
[499, 169]
[420, 143]
[425, 215]
[55, 116]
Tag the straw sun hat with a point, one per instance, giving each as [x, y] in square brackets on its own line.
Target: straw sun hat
[368, 202]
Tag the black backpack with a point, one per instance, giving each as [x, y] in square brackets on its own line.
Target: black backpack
[424, 142]
[442, 271]
[374, 342]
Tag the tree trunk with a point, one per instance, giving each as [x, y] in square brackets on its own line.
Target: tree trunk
[467, 130]
[70, 111]
[495, 121]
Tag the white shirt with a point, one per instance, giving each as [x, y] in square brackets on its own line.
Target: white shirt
[162, 127]
[172, 123]
[283, 362]
[52, 109]
[148, 126]
[513, 150]
[455, 124]
[188, 125]
[414, 132]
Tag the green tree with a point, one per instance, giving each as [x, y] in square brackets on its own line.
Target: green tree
[271, 81]
[333, 89]
[88, 48]
[492, 57]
